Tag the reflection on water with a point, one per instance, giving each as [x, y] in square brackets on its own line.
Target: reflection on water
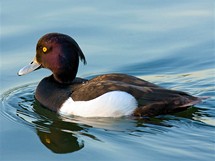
[66, 134]
[60, 141]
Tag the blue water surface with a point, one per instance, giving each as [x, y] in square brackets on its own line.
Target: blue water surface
[170, 43]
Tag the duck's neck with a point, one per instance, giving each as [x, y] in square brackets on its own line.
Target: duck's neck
[65, 77]
[67, 71]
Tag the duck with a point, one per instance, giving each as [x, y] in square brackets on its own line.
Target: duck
[107, 95]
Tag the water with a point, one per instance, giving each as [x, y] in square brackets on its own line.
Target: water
[170, 43]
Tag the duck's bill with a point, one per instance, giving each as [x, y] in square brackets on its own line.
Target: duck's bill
[34, 65]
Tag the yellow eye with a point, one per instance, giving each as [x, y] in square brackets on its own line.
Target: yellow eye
[45, 49]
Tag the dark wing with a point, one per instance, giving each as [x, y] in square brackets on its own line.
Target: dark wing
[111, 82]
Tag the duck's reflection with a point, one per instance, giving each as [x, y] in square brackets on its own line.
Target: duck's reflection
[57, 135]
[60, 141]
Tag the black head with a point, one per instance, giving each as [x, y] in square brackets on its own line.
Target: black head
[60, 53]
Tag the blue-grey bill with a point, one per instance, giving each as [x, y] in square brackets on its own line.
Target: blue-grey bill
[34, 65]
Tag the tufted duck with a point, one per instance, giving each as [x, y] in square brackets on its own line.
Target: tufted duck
[109, 95]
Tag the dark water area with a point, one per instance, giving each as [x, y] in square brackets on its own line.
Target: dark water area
[170, 43]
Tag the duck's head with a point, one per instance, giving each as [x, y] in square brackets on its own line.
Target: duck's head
[59, 53]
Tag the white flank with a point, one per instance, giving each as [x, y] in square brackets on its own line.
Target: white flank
[111, 104]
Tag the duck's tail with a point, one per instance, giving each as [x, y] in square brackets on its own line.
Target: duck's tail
[162, 101]
[194, 102]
